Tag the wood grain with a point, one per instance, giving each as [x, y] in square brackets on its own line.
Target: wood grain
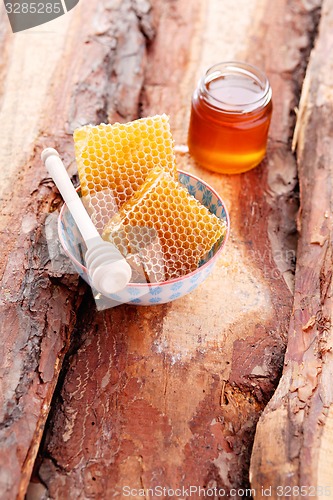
[49, 88]
[170, 395]
[298, 420]
[37, 304]
[166, 395]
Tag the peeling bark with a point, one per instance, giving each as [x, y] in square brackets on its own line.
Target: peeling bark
[166, 395]
[170, 395]
[298, 419]
[39, 302]
[37, 316]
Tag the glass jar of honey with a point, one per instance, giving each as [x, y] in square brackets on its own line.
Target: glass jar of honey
[230, 116]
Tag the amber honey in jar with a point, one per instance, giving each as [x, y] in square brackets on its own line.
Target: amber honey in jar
[230, 117]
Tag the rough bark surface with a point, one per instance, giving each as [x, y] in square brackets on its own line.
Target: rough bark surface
[38, 303]
[170, 395]
[49, 88]
[293, 445]
[166, 395]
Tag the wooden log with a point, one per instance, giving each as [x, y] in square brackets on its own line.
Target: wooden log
[170, 395]
[292, 453]
[37, 304]
[109, 54]
[39, 71]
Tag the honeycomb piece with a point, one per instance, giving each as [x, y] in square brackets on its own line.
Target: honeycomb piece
[166, 226]
[114, 160]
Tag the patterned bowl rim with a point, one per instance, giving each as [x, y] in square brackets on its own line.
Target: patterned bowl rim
[161, 283]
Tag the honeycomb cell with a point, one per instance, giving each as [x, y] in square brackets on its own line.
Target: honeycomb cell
[109, 152]
[176, 244]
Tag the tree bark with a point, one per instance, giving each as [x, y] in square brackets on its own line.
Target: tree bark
[166, 395]
[49, 88]
[294, 436]
[170, 395]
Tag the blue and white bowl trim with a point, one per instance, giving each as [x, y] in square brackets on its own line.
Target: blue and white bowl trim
[150, 293]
